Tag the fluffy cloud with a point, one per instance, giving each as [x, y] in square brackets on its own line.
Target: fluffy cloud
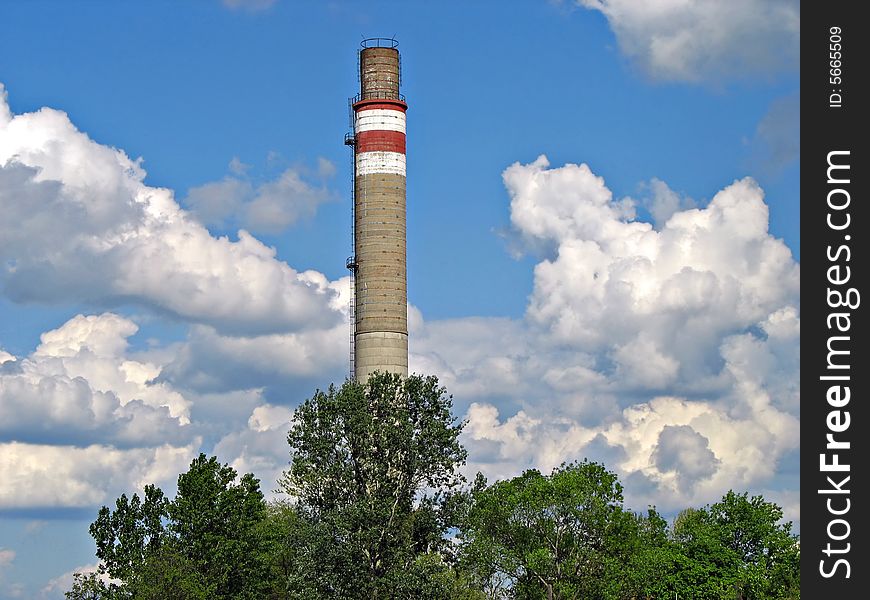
[616, 281]
[483, 353]
[83, 419]
[44, 476]
[269, 207]
[504, 448]
[672, 452]
[669, 353]
[79, 387]
[80, 224]
[210, 361]
[705, 40]
[686, 452]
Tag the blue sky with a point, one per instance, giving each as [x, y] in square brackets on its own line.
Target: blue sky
[634, 319]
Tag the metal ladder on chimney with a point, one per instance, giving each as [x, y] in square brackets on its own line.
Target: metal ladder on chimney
[350, 263]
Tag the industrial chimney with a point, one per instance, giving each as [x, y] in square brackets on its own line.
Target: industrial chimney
[379, 314]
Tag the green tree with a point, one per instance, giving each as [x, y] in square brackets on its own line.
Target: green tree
[642, 560]
[169, 575]
[126, 536]
[737, 548]
[214, 520]
[562, 536]
[288, 536]
[375, 474]
[208, 542]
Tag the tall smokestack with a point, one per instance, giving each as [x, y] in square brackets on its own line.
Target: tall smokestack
[380, 315]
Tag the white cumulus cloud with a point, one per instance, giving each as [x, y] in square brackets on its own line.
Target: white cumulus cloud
[79, 387]
[705, 40]
[670, 353]
[80, 224]
[707, 272]
[211, 362]
[47, 476]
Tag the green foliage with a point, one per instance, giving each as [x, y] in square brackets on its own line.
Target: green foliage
[642, 560]
[169, 575]
[736, 549]
[288, 546]
[378, 512]
[214, 521]
[126, 536]
[381, 441]
[556, 536]
[566, 535]
[375, 472]
[206, 543]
